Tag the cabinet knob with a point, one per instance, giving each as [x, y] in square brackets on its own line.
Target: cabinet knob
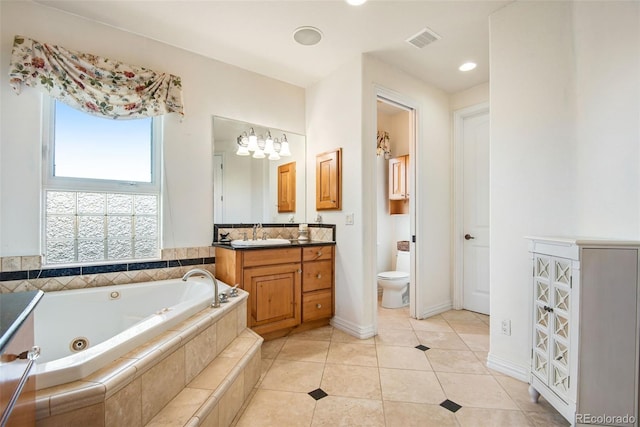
[319, 253]
[318, 305]
[299, 271]
[319, 276]
[548, 309]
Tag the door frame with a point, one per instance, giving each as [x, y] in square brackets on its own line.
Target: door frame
[458, 198]
[415, 293]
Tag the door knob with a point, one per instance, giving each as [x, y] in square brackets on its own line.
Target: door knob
[468, 237]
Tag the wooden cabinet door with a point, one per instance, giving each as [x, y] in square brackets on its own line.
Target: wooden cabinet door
[275, 294]
[398, 178]
[287, 187]
[328, 180]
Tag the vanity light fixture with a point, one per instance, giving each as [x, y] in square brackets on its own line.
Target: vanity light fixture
[270, 146]
[253, 140]
[467, 66]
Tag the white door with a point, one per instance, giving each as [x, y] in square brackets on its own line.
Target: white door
[218, 183]
[475, 140]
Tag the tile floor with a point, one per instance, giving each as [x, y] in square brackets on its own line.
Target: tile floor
[326, 377]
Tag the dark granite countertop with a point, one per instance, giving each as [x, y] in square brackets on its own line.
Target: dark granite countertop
[294, 244]
[14, 310]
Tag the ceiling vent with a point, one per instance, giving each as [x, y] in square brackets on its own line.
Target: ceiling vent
[423, 38]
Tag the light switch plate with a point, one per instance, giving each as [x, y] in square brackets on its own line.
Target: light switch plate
[349, 219]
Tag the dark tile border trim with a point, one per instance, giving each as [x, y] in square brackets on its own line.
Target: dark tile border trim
[101, 269]
[216, 227]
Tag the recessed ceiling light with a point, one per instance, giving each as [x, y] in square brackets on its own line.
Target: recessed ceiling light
[307, 36]
[356, 2]
[467, 66]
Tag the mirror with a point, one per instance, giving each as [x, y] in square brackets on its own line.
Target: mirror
[245, 188]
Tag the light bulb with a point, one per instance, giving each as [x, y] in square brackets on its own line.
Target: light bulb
[253, 140]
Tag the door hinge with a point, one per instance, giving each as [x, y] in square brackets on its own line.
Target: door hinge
[570, 282]
[413, 238]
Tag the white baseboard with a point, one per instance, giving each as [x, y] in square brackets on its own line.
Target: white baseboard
[435, 309]
[353, 329]
[507, 367]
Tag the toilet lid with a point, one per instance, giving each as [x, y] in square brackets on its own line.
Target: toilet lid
[393, 275]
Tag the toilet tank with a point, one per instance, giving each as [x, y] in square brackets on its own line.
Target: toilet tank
[403, 261]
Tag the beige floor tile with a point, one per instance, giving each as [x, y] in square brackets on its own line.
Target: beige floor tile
[318, 334]
[351, 381]
[481, 417]
[457, 315]
[352, 354]
[519, 392]
[270, 349]
[431, 324]
[483, 317]
[340, 336]
[469, 327]
[266, 365]
[397, 357]
[181, 408]
[400, 337]
[388, 322]
[404, 414]
[305, 351]
[288, 375]
[278, 408]
[442, 340]
[476, 342]
[482, 357]
[410, 386]
[543, 419]
[333, 411]
[479, 391]
[461, 361]
[402, 312]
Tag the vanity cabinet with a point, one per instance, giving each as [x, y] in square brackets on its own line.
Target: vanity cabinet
[399, 185]
[585, 336]
[290, 289]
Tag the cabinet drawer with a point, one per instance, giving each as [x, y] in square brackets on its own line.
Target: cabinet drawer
[261, 257]
[314, 253]
[316, 305]
[316, 275]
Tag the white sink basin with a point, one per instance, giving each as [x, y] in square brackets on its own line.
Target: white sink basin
[259, 242]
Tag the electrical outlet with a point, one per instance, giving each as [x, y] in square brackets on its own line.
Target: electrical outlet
[506, 327]
[349, 219]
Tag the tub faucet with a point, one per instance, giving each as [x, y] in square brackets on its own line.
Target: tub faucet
[216, 298]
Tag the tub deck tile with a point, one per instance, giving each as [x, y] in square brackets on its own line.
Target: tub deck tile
[71, 397]
[115, 376]
[180, 410]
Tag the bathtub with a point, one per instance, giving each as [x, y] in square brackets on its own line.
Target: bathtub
[80, 331]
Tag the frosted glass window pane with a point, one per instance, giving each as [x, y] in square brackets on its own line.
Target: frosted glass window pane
[91, 227]
[90, 250]
[59, 252]
[119, 226]
[61, 202]
[91, 203]
[119, 249]
[146, 226]
[146, 205]
[61, 227]
[146, 248]
[120, 203]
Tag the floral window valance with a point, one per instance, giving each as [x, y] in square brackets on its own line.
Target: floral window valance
[94, 84]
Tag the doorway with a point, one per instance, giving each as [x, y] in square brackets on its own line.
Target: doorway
[471, 208]
[395, 206]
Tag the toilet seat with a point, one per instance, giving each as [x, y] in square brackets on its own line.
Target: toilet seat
[391, 275]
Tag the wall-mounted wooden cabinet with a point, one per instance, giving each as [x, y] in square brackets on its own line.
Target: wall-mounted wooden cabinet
[289, 288]
[287, 187]
[399, 185]
[329, 180]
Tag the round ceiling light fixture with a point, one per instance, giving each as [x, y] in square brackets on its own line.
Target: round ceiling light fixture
[307, 36]
[467, 66]
[356, 2]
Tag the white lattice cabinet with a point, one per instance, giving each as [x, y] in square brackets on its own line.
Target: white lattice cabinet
[584, 356]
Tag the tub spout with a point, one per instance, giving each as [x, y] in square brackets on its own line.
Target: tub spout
[216, 298]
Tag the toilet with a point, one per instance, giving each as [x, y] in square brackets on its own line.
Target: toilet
[395, 284]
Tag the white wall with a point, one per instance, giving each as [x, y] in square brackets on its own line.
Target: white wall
[564, 142]
[334, 120]
[210, 88]
[472, 96]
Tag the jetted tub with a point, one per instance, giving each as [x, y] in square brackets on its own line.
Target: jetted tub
[80, 331]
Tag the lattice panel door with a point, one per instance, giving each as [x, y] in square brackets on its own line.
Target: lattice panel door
[542, 319]
[560, 327]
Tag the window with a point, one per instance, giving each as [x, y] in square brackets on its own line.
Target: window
[101, 187]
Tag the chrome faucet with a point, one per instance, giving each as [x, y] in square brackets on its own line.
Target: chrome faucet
[255, 230]
[216, 298]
